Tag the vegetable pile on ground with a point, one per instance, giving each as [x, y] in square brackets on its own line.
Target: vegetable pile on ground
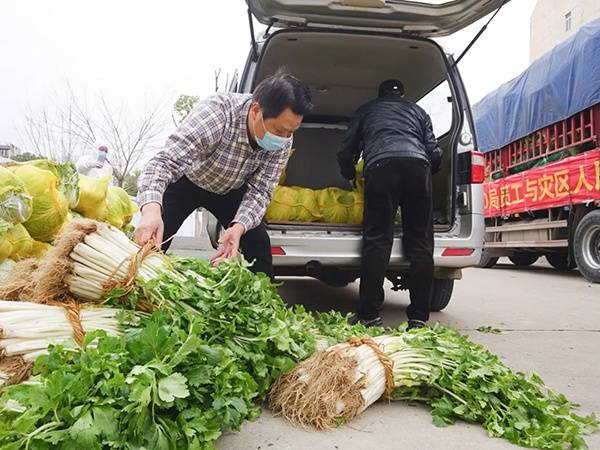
[37, 199]
[438, 366]
[208, 343]
[169, 352]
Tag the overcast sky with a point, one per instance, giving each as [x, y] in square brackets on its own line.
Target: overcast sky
[139, 52]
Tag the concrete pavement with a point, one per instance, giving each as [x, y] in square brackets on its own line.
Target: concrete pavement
[550, 324]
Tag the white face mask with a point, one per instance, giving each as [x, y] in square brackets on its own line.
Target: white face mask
[271, 142]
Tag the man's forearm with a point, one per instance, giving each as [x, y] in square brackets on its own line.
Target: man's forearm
[247, 217]
[154, 180]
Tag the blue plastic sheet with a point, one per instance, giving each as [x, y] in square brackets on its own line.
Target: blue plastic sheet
[563, 82]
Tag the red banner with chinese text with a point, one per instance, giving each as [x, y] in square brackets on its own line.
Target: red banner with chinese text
[570, 181]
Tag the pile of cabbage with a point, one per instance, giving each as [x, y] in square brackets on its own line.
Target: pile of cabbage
[37, 199]
[329, 205]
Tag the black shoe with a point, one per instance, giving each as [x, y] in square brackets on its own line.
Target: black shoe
[414, 324]
[375, 322]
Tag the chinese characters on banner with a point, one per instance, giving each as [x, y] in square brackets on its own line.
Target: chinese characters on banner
[570, 181]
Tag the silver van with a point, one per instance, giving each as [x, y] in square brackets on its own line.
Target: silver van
[343, 49]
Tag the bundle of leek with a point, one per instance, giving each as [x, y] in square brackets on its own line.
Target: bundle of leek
[439, 366]
[91, 259]
[27, 330]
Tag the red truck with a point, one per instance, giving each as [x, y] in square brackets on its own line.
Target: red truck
[540, 135]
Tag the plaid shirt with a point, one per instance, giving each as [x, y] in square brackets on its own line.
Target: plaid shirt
[212, 148]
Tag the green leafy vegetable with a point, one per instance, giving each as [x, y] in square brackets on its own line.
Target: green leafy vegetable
[217, 341]
[512, 405]
[160, 386]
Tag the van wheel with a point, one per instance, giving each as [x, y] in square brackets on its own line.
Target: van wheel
[487, 261]
[587, 246]
[560, 261]
[523, 259]
[442, 292]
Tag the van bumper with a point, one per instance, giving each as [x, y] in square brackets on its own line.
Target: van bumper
[297, 249]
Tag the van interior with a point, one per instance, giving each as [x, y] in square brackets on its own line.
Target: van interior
[344, 71]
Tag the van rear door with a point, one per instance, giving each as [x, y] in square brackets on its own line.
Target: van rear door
[428, 18]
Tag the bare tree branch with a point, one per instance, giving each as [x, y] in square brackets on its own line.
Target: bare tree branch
[70, 127]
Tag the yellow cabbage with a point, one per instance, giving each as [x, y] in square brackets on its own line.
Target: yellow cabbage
[49, 204]
[20, 241]
[293, 204]
[5, 245]
[355, 212]
[360, 176]
[39, 249]
[68, 178]
[339, 206]
[307, 208]
[334, 204]
[282, 204]
[15, 201]
[92, 197]
[285, 195]
[119, 207]
[329, 205]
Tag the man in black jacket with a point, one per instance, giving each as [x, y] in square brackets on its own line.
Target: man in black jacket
[401, 152]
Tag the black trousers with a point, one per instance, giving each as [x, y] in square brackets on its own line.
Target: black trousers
[183, 197]
[404, 182]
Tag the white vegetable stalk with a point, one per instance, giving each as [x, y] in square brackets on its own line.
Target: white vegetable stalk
[347, 378]
[91, 259]
[104, 257]
[27, 329]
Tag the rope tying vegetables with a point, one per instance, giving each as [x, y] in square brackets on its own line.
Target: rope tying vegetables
[387, 363]
[73, 312]
[13, 370]
[134, 263]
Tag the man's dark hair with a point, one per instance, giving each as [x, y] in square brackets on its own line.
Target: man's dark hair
[278, 92]
[391, 87]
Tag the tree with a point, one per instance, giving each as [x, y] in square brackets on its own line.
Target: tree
[128, 141]
[71, 126]
[130, 184]
[185, 103]
[183, 106]
[25, 156]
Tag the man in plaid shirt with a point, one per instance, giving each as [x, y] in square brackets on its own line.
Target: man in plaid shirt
[227, 157]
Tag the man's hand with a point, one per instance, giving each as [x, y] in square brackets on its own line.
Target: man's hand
[436, 161]
[99, 165]
[229, 243]
[151, 224]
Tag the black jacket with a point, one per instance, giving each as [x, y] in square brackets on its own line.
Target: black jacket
[389, 127]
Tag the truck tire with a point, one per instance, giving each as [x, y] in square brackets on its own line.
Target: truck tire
[442, 292]
[487, 261]
[586, 246]
[560, 261]
[523, 259]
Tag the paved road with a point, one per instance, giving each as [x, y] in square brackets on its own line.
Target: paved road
[550, 324]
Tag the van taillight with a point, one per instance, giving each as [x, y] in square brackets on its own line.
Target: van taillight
[458, 251]
[277, 251]
[477, 167]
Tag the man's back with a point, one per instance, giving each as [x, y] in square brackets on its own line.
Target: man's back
[400, 151]
[390, 127]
